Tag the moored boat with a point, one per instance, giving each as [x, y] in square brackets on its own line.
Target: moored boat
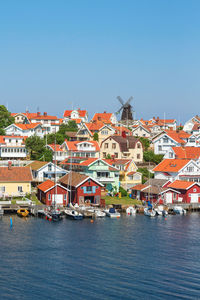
[73, 214]
[99, 214]
[130, 210]
[179, 210]
[150, 212]
[112, 213]
[22, 212]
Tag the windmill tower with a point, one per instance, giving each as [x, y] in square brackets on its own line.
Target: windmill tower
[126, 108]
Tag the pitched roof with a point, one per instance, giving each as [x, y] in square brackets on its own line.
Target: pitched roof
[171, 165]
[156, 182]
[73, 179]
[117, 162]
[125, 143]
[178, 136]
[15, 174]
[139, 187]
[55, 147]
[27, 126]
[72, 145]
[187, 152]
[103, 117]
[44, 186]
[182, 185]
[36, 165]
[82, 113]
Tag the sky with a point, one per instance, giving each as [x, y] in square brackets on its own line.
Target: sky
[61, 54]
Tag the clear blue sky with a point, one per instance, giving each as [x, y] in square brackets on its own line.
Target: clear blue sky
[55, 54]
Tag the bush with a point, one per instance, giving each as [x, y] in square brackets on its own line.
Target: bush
[152, 157]
[123, 191]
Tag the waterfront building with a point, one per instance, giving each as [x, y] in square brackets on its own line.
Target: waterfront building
[82, 188]
[15, 181]
[50, 193]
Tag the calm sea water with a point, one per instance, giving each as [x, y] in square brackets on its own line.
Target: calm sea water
[128, 258]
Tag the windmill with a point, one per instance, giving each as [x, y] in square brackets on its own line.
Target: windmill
[126, 109]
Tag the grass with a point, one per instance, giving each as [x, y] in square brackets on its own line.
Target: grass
[123, 201]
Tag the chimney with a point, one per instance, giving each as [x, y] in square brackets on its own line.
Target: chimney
[154, 118]
[45, 113]
[38, 114]
[9, 165]
[104, 112]
[27, 111]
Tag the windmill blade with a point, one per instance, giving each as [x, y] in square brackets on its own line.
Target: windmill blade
[128, 101]
[120, 100]
[119, 110]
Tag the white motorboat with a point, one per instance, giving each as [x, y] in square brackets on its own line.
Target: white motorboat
[99, 214]
[179, 210]
[112, 213]
[73, 214]
[131, 210]
[161, 211]
[150, 212]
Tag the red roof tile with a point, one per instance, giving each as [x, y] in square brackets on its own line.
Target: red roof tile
[179, 184]
[171, 165]
[44, 186]
[15, 174]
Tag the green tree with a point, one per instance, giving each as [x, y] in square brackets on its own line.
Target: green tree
[145, 142]
[123, 191]
[36, 147]
[96, 137]
[5, 119]
[52, 137]
[145, 174]
[152, 157]
[70, 126]
[108, 156]
[47, 155]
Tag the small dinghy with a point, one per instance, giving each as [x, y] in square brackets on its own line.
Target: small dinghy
[99, 214]
[22, 212]
[73, 214]
[161, 210]
[130, 211]
[150, 212]
[179, 210]
[112, 213]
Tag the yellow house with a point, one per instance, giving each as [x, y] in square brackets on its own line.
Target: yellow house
[15, 181]
[128, 175]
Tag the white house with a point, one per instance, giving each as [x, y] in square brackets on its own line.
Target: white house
[75, 114]
[81, 148]
[42, 170]
[12, 147]
[177, 169]
[188, 126]
[60, 153]
[141, 131]
[25, 130]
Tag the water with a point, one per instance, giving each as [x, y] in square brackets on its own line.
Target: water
[128, 258]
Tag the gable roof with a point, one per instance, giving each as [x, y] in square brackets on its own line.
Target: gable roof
[75, 179]
[182, 185]
[36, 165]
[125, 143]
[171, 165]
[103, 117]
[15, 174]
[47, 185]
[72, 145]
[27, 126]
[82, 113]
[187, 152]
[56, 147]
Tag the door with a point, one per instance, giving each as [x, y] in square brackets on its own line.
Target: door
[168, 198]
[58, 199]
[194, 198]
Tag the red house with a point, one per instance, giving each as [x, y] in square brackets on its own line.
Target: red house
[183, 192]
[50, 193]
[82, 188]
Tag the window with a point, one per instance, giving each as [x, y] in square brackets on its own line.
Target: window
[106, 146]
[104, 154]
[113, 146]
[165, 140]
[65, 197]
[2, 189]
[174, 196]
[170, 154]
[49, 168]
[89, 188]
[104, 132]
[159, 148]
[116, 155]
[49, 197]
[138, 145]
[194, 190]
[20, 189]
[190, 169]
[138, 156]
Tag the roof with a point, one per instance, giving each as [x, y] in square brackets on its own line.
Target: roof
[46, 185]
[171, 165]
[27, 126]
[182, 185]
[73, 179]
[156, 182]
[187, 152]
[72, 145]
[88, 161]
[82, 113]
[36, 165]
[103, 117]
[178, 136]
[57, 147]
[139, 187]
[117, 162]
[125, 143]
[95, 125]
[15, 174]
[3, 137]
